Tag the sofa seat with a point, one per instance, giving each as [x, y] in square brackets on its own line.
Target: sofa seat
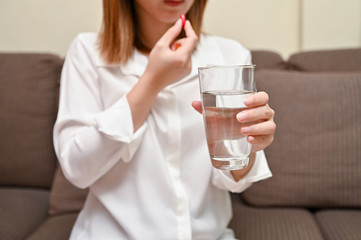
[57, 227]
[340, 224]
[23, 208]
[278, 223]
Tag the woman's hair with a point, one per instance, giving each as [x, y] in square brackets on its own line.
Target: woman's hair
[119, 35]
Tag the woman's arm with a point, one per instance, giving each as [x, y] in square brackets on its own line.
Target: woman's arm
[88, 138]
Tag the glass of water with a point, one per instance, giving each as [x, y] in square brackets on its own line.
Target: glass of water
[223, 91]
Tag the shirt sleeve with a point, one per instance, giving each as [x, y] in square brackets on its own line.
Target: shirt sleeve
[223, 178]
[88, 139]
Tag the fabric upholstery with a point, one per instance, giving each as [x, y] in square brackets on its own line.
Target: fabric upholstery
[251, 223]
[267, 60]
[327, 60]
[315, 157]
[340, 224]
[55, 228]
[23, 208]
[28, 89]
[64, 196]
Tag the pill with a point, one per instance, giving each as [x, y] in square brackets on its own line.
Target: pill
[183, 17]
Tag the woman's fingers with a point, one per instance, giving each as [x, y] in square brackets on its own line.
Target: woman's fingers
[260, 142]
[171, 34]
[255, 114]
[171, 59]
[188, 29]
[257, 99]
[186, 44]
[257, 121]
[191, 39]
[262, 128]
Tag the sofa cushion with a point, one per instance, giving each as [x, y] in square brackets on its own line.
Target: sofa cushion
[55, 228]
[315, 157]
[327, 60]
[21, 211]
[272, 223]
[267, 60]
[28, 90]
[64, 196]
[340, 224]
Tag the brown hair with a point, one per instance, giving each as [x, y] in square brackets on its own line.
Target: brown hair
[119, 34]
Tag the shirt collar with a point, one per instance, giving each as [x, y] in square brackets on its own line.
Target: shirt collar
[134, 66]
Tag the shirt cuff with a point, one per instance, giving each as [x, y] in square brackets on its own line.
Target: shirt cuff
[259, 171]
[117, 124]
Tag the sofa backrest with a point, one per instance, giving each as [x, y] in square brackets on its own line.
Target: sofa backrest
[327, 60]
[28, 90]
[264, 59]
[316, 155]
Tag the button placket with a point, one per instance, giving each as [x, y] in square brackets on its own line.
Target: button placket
[173, 164]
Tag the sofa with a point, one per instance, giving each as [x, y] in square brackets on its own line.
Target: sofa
[315, 191]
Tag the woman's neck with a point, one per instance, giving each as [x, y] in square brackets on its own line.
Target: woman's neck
[149, 36]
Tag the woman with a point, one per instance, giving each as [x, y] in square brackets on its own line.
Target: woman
[126, 128]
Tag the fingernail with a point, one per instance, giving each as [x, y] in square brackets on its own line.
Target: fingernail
[241, 116]
[246, 130]
[250, 139]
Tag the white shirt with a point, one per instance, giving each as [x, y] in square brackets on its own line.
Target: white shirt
[156, 183]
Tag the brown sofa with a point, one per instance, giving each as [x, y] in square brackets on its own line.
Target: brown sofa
[315, 192]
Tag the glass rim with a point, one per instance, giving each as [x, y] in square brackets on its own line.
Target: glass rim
[227, 66]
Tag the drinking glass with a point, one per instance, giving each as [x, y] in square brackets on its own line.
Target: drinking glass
[223, 91]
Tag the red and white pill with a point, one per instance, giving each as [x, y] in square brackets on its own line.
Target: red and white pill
[183, 17]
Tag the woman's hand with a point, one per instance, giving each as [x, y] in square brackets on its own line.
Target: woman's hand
[167, 64]
[170, 59]
[257, 121]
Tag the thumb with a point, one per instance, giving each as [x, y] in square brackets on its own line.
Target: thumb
[172, 33]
